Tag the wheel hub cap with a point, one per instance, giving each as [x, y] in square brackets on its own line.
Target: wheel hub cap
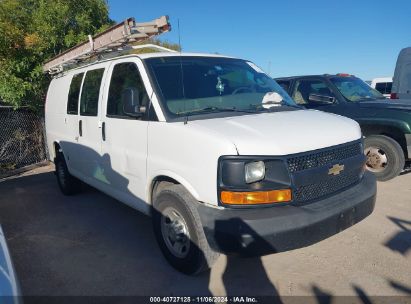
[376, 159]
[175, 232]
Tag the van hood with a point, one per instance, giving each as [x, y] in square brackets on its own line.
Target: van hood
[282, 133]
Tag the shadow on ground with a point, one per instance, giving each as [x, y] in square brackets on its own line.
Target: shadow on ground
[91, 244]
[407, 170]
[401, 241]
[88, 244]
[398, 286]
[361, 296]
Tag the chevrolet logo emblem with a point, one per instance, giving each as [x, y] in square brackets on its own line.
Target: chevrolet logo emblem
[336, 169]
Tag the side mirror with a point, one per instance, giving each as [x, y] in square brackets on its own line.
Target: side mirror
[321, 99]
[131, 103]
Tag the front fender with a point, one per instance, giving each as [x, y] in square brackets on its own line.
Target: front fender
[170, 174]
[397, 129]
[403, 126]
[188, 154]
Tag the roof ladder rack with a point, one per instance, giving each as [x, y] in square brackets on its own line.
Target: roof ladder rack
[115, 38]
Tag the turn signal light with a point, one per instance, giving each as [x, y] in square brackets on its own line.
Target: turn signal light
[255, 198]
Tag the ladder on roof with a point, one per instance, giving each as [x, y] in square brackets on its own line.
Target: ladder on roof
[116, 38]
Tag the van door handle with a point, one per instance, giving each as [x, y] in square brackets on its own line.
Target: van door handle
[103, 131]
[80, 127]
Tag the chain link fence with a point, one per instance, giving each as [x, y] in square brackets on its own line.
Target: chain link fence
[22, 141]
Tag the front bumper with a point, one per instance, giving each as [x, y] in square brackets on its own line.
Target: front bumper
[261, 231]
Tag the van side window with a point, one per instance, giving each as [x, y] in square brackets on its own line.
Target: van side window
[91, 92]
[74, 93]
[125, 77]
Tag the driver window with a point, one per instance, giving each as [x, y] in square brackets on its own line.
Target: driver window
[304, 88]
[125, 76]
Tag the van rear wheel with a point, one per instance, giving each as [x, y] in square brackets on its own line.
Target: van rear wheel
[385, 157]
[68, 184]
[179, 232]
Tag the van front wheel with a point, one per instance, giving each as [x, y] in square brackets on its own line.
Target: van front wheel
[68, 184]
[385, 157]
[179, 232]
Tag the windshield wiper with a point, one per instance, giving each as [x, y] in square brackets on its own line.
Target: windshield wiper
[275, 105]
[367, 98]
[214, 109]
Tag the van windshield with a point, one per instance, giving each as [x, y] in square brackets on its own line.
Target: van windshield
[354, 89]
[192, 85]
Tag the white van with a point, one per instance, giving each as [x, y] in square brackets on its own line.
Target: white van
[401, 87]
[213, 149]
[382, 85]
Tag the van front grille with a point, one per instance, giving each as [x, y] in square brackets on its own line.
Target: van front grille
[316, 166]
[327, 186]
[323, 158]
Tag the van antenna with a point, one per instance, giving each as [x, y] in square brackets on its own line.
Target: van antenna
[181, 70]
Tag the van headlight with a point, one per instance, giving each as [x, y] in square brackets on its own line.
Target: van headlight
[254, 172]
[253, 180]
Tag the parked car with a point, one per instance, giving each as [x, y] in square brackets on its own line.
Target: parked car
[9, 289]
[385, 124]
[401, 87]
[382, 85]
[213, 148]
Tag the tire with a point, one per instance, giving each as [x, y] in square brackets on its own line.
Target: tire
[68, 184]
[174, 206]
[385, 157]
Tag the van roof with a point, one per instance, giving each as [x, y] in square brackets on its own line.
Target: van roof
[309, 76]
[173, 54]
[382, 79]
[142, 56]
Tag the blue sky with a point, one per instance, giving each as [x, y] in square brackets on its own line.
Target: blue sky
[361, 37]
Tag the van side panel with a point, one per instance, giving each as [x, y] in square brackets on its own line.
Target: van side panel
[402, 75]
[55, 112]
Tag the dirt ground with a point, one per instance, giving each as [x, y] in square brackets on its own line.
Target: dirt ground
[90, 244]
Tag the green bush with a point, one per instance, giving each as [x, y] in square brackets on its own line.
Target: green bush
[33, 31]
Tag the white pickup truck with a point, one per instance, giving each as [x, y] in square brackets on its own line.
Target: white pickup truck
[213, 148]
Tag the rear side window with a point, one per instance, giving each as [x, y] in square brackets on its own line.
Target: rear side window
[304, 88]
[74, 93]
[285, 84]
[91, 92]
[384, 87]
[388, 88]
[125, 77]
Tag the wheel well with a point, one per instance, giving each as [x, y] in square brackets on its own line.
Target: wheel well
[392, 132]
[159, 183]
